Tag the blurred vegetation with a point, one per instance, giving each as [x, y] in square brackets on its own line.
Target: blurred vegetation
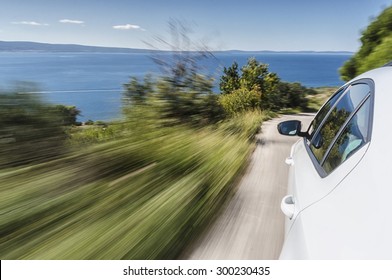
[68, 114]
[142, 193]
[376, 47]
[31, 131]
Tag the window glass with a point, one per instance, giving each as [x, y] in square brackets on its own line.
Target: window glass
[353, 137]
[323, 112]
[337, 117]
[357, 93]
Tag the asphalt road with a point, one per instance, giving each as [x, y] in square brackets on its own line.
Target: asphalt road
[251, 225]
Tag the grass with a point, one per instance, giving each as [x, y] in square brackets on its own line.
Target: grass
[126, 192]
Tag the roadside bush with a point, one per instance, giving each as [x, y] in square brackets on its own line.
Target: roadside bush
[240, 100]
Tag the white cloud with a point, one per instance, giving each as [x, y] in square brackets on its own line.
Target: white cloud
[73, 21]
[128, 27]
[33, 23]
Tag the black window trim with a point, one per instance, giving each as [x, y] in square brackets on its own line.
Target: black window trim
[318, 166]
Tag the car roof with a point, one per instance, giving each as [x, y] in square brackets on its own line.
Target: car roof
[377, 74]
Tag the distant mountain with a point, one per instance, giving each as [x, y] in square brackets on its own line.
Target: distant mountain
[289, 52]
[22, 46]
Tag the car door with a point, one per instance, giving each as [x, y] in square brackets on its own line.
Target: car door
[336, 142]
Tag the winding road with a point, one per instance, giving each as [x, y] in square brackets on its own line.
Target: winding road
[251, 225]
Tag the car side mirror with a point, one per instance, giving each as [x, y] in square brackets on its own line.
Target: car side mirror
[290, 128]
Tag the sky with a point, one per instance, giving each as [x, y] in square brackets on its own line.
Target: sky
[279, 25]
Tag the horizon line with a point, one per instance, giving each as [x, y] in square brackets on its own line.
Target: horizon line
[165, 50]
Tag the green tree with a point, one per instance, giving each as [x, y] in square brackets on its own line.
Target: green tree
[67, 114]
[375, 49]
[230, 80]
[256, 80]
[255, 76]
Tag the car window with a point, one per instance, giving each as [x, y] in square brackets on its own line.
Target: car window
[323, 112]
[353, 137]
[336, 118]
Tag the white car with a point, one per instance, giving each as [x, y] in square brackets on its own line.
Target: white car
[339, 202]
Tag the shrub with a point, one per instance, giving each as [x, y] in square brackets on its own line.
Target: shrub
[240, 100]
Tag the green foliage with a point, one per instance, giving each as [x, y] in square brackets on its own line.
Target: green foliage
[286, 95]
[240, 100]
[255, 76]
[92, 134]
[230, 80]
[293, 95]
[256, 87]
[375, 50]
[185, 100]
[144, 196]
[67, 114]
[137, 92]
[381, 55]
[349, 69]
[30, 130]
[246, 123]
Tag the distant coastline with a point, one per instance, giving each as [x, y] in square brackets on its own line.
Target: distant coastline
[285, 52]
[26, 46]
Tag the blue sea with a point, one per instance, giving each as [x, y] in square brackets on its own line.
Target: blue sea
[93, 82]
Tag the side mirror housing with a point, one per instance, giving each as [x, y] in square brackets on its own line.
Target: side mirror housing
[290, 128]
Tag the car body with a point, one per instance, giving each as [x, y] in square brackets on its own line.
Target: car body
[339, 198]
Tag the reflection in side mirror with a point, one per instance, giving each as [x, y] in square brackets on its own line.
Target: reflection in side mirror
[290, 128]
